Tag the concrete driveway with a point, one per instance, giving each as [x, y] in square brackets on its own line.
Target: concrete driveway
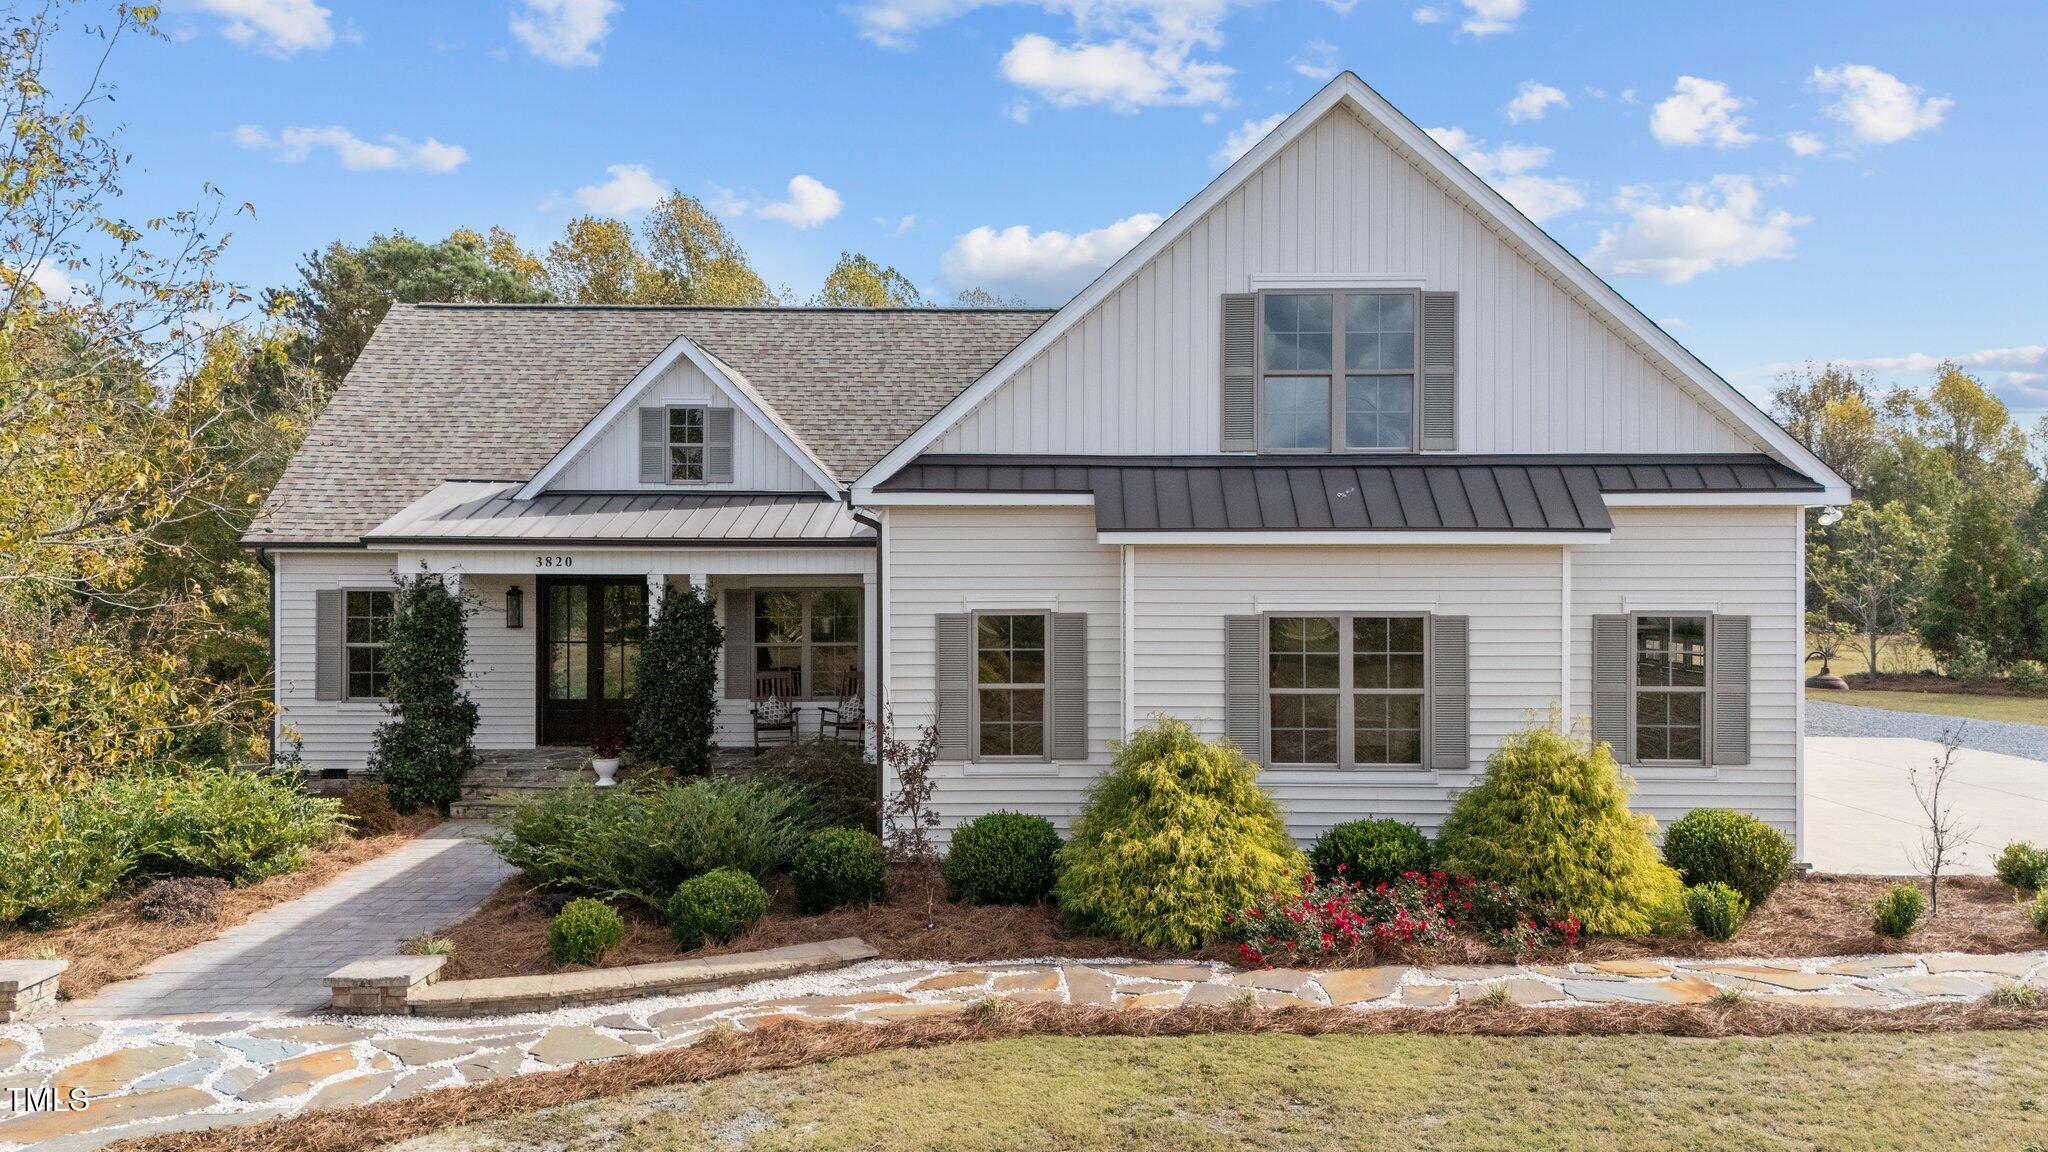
[1861, 815]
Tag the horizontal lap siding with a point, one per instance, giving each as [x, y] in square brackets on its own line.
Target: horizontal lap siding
[337, 733]
[1539, 372]
[1510, 594]
[958, 560]
[502, 663]
[1736, 561]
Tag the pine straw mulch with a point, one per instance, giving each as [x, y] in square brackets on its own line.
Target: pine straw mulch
[1814, 915]
[1933, 682]
[725, 1053]
[112, 943]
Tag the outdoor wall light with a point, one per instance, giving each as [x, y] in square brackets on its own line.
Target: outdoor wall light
[515, 607]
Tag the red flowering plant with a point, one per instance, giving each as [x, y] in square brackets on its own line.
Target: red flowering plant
[1332, 919]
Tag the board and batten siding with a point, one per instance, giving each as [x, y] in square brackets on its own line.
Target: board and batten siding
[946, 560]
[612, 461]
[1538, 371]
[1732, 561]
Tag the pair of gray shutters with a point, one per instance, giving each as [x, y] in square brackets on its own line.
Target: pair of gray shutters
[1727, 708]
[1447, 740]
[1066, 685]
[654, 446]
[1438, 427]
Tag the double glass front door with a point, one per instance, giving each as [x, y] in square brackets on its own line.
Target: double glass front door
[590, 634]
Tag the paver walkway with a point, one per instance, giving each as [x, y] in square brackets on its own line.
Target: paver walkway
[1862, 816]
[155, 1076]
[277, 961]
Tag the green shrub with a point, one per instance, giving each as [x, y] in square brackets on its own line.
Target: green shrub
[1173, 841]
[2038, 913]
[1001, 858]
[842, 784]
[1716, 909]
[715, 907]
[423, 752]
[2030, 676]
[840, 868]
[676, 703]
[2023, 866]
[367, 806]
[1370, 852]
[1898, 910]
[1723, 846]
[1552, 819]
[238, 826]
[584, 931]
[639, 840]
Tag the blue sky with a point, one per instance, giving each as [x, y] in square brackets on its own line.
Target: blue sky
[1774, 182]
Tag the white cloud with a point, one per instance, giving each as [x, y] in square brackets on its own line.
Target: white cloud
[1699, 112]
[1876, 107]
[1243, 137]
[1804, 144]
[1491, 16]
[273, 27]
[810, 204]
[1123, 75]
[1018, 111]
[631, 190]
[1340, 7]
[1720, 224]
[1533, 101]
[388, 153]
[1512, 171]
[1044, 266]
[1430, 15]
[564, 32]
[903, 225]
[1317, 60]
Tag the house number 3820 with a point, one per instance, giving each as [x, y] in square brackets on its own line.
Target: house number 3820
[554, 561]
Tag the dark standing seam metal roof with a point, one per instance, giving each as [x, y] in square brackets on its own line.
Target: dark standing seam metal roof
[1349, 493]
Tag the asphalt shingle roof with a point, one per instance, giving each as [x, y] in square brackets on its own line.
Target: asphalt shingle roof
[492, 392]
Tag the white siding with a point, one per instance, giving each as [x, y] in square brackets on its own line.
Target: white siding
[503, 674]
[1538, 372]
[612, 461]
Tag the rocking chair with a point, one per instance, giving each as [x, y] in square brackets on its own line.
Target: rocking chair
[774, 707]
[845, 720]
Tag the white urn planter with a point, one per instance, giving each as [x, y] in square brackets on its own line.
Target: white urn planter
[607, 769]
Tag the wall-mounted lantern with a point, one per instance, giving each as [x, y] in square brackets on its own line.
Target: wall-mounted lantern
[515, 607]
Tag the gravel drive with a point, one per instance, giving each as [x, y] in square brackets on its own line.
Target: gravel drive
[2004, 737]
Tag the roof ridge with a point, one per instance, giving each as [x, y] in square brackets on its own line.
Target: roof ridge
[488, 306]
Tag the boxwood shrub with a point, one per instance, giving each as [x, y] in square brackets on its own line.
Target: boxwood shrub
[1723, 846]
[2023, 866]
[1898, 910]
[840, 868]
[1001, 858]
[715, 907]
[1370, 852]
[583, 931]
[1716, 909]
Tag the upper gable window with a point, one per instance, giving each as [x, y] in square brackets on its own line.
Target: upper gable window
[1337, 371]
[685, 445]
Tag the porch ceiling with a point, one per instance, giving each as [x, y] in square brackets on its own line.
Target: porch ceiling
[466, 511]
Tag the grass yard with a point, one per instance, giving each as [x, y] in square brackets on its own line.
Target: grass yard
[1967, 1090]
[2016, 709]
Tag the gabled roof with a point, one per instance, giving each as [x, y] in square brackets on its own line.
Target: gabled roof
[1348, 91]
[493, 392]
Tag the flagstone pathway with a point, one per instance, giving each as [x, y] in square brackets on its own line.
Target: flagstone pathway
[152, 1075]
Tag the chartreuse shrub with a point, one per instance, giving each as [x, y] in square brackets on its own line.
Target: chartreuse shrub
[638, 841]
[583, 931]
[1002, 858]
[715, 907]
[1715, 909]
[2023, 866]
[1370, 852]
[2038, 913]
[1173, 841]
[1898, 910]
[840, 868]
[1723, 846]
[1552, 819]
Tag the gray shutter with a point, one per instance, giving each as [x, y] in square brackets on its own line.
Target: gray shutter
[1243, 684]
[718, 445]
[1070, 686]
[330, 624]
[739, 644]
[1439, 370]
[1240, 372]
[1729, 657]
[1450, 692]
[955, 673]
[654, 445]
[1610, 684]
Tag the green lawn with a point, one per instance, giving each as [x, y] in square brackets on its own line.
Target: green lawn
[2021, 709]
[1979, 1090]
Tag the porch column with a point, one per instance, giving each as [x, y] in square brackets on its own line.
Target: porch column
[870, 646]
[657, 587]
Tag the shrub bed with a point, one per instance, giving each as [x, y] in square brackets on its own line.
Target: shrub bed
[1898, 910]
[1326, 920]
[715, 907]
[1735, 849]
[842, 785]
[1370, 852]
[840, 868]
[1002, 858]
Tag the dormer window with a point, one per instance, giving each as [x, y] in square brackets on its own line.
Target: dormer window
[686, 445]
[1337, 371]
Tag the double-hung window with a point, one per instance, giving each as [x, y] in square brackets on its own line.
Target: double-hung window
[1670, 689]
[686, 445]
[1337, 371]
[1011, 720]
[812, 633]
[1345, 690]
[368, 628]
